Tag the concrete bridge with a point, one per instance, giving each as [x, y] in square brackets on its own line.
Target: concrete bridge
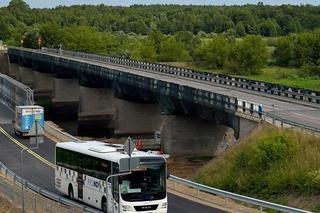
[120, 100]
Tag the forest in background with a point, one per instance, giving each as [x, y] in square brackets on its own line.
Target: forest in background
[249, 40]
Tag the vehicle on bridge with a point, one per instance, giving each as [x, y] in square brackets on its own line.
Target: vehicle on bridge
[93, 172]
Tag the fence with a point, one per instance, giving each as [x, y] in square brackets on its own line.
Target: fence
[14, 93]
[301, 94]
[229, 196]
[35, 198]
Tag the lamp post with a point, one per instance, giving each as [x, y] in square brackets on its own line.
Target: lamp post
[21, 163]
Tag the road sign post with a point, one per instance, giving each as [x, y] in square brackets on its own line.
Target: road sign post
[35, 130]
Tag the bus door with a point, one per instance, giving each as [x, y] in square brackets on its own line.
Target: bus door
[109, 194]
[80, 185]
[115, 194]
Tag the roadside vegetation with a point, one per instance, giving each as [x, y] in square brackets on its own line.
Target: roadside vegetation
[279, 44]
[279, 165]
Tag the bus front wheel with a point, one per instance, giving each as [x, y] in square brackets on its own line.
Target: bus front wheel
[104, 206]
[70, 192]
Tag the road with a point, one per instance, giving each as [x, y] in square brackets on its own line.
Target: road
[286, 108]
[37, 171]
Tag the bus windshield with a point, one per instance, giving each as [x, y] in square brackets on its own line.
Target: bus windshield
[148, 182]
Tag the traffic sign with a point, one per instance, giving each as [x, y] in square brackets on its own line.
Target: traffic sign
[36, 129]
[129, 146]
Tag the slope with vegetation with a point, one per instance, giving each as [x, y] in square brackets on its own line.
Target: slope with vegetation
[279, 165]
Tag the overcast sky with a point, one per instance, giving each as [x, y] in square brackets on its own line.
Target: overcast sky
[53, 3]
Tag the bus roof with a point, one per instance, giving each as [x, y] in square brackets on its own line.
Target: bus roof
[106, 151]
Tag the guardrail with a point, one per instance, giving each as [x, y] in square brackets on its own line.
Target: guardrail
[235, 197]
[301, 94]
[14, 93]
[50, 129]
[39, 200]
[284, 123]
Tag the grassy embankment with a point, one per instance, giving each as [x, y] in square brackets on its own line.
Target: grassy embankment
[286, 76]
[281, 166]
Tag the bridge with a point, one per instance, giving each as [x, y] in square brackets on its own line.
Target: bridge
[43, 174]
[124, 97]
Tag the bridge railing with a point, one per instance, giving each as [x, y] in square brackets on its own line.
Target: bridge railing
[14, 93]
[298, 94]
[263, 205]
[35, 198]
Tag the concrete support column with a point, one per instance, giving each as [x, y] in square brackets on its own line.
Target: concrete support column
[137, 119]
[42, 85]
[246, 126]
[193, 136]
[13, 70]
[4, 63]
[96, 112]
[65, 98]
[25, 76]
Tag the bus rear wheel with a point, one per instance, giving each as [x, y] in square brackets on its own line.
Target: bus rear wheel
[104, 206]
[70, 192]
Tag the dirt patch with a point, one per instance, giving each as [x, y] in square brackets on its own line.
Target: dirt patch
[7, 207]
[186, 166]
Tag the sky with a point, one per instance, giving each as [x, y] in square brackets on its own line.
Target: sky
[54, 3]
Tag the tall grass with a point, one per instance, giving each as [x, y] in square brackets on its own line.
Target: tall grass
[270, 163]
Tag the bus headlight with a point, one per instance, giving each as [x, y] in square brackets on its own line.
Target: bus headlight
[164, 205]
[126, 208]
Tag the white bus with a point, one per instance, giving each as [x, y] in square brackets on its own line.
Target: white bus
[82, 169]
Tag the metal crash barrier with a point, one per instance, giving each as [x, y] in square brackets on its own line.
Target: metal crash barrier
[13, 93]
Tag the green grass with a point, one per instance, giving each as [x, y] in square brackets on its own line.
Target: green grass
[285, 76]
[278, 165]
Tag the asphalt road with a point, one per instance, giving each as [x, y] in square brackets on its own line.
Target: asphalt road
[286, 108]
[41, 174]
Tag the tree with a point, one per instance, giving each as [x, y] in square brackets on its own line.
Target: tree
[215, 52]
[144, 50]
[248, 56]
[171, 50]
[156, 38]
[52, 35]
[30, 38]
[20, 10]
[189, 40]
[268, 28]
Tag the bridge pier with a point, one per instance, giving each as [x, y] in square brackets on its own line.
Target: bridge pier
[137, 119]
[246, 126]
[96, 112]
[65, 98]
[4, 63]
[13, 70]
[194, 136]
[25, 76]
[42, 85]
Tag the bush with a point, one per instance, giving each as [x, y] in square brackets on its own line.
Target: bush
[269, 164]
[247, 56]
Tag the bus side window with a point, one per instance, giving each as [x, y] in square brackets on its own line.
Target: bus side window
[115, 182]
[105, 169]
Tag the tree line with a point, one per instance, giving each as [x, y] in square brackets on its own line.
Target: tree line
[81, 28]
[259, 19]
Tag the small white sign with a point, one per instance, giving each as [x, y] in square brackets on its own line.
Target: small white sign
[38, 127]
